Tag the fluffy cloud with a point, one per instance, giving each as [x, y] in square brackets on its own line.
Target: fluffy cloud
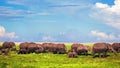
[4, 34]
[109, 14]
[102, 36]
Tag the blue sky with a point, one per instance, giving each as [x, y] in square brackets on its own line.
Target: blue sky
[60, 20]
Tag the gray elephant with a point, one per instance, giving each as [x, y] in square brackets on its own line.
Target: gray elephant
[116, 47]
[75, 46]
[47, 47]
[22, 51]
[59, 49]
[39, 49]
[102, 48]
[72, 54]
[8, 45]
[82, 50]
[4, 51]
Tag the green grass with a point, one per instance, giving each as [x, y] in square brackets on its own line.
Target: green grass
[49, 60]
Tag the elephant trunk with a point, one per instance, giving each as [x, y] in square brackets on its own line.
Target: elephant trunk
[114, 51]
[111, 49]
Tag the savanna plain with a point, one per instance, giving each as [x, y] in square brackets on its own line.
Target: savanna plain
[49, 60]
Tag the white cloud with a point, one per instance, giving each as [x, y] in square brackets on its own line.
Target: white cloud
[4, 34]
[100, 5]
[2, 31]
[48, 38]
[102, 36]
[109, 14]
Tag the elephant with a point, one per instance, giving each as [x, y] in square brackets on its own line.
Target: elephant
[82, 50]
[39, 49]
[59, 49]
[22, 51]
[116, 47]
[102, 48]
[88, 48]
[23, 48]
[31, 48]
[4, 51]
[72, 54]
[12, 44]
[23, 45]
[48, 47]
[8, 45]
[39, 46]
[54, 48]
[75, 46]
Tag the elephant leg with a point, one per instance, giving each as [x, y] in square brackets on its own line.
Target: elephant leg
[22, 52]
[105, 54]
[99, 55]
[19, 52]
[54, 52]
[93, 54]
[86, 53]
[78, 52]
[118, 50]
[73, 55]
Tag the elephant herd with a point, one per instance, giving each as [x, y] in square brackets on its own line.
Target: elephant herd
[26, 48]
[57, 48]
[31, 47]
[97, 48]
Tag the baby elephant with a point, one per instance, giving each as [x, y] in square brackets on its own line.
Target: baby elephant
[4, 51]
[72, 54]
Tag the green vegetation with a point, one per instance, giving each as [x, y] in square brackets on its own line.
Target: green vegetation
[49, 60]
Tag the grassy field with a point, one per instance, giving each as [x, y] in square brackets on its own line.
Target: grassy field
[49, 60]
